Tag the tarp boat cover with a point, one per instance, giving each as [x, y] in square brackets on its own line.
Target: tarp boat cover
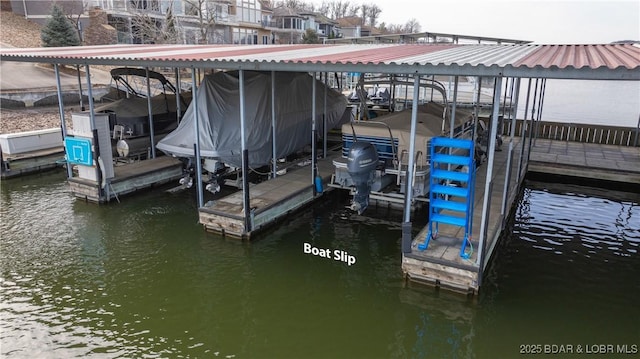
[429, 124]
[218, 99]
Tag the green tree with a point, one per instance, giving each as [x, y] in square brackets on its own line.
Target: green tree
[59, 31]
[310, 36]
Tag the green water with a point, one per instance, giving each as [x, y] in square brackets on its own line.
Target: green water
[142, 279]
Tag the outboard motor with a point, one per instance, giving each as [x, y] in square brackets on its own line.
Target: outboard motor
[361, 165]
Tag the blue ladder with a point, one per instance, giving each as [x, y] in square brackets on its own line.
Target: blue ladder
[452, 184]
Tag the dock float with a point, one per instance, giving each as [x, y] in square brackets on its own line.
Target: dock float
[586, 160]
[440, 264]
[270, 201]
[31, 162]
[128, 178]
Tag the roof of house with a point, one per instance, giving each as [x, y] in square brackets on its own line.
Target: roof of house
[604, 62]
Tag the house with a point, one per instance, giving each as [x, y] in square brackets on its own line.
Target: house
[197, 21]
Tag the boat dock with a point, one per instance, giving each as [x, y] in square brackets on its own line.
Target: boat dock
[270, 201]
[128, 178]
[440, 265]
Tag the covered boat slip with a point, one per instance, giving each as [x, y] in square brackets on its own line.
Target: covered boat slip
[270, 201]
[505, 66]
[440, 264]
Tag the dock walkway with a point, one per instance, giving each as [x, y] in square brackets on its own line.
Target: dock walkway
[441, 265]
[269, 200]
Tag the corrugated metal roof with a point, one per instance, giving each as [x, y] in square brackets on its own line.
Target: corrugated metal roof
[621, 62]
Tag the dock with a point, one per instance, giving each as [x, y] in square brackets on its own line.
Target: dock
[440, 265]
[270, 201]
[128, 178]
[31, 162]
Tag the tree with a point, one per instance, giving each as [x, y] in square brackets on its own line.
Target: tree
[310, 36]
[373, 14]
[412, 26]
[59, 31]
[207, 17]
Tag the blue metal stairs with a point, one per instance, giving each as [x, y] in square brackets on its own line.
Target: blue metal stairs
[452, 184]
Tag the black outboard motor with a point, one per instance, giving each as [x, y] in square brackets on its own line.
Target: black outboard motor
[361, 165]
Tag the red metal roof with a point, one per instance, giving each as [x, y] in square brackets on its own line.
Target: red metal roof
[520, 60]
[579, 56]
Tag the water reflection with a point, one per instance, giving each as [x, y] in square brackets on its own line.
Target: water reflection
[142, 279]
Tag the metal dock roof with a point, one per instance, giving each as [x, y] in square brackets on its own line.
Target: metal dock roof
[601, 62]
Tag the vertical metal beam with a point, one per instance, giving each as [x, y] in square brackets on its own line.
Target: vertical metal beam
[452, 126]
[150, 111]
[324, 119]
[63, 125]
[178, 103]
[245, 160]
[512, 111]
[314, 158]
[92, 117]
[196, 128]
[406, 224]
[534, 124]
[80, 88]
[488, 186]
[523, 134]
[274, 151]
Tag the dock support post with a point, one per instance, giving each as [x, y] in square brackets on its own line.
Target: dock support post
[324, 119]
[245, 161]
[178, 104]
[150, 111]
[63, 125]
[524, 134]
[80, 88]
[486, 201]
[513, 110]
[194, 95]
[534, 123]
[452, 125]
[406, 224]
[92, 117]
[313, 134]
[274, 153]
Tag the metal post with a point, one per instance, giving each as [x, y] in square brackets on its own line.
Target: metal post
[534, 124]
[452, 125]
[635, 141]
[63, 125]
[476, 111]
[80, 87]
[524, 135]
[324, 120]
[274, 150]
[178, 104]
[92, 116]
[196, 128]
[406, 224]
[153, 144]
[507, 179]
[245, 160]
[314, 159]
[486, 202]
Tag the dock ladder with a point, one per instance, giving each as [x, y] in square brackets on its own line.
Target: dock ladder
[452, 183]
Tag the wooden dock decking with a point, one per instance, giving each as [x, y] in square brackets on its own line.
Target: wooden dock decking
[270, 201]
[129, 178]
[586, 160]
[441, 265]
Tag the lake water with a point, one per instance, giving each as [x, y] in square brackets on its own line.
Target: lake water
[143, 279]
[584, 101]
